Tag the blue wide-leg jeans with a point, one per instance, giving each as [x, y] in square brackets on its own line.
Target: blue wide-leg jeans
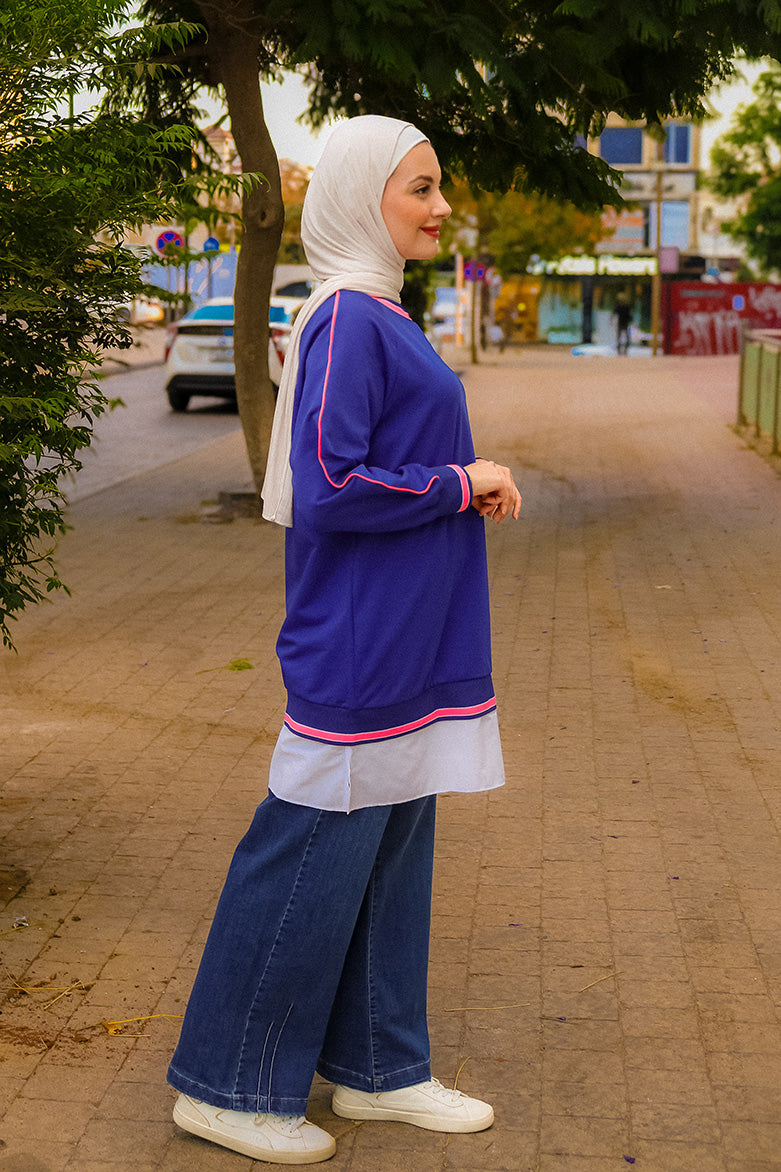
[317, 959]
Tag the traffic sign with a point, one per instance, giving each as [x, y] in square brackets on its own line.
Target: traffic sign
[169, 237]
[211, 245]
[473, 271]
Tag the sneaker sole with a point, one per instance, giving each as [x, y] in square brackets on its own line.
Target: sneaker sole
[252, 1150]
[417, 1119]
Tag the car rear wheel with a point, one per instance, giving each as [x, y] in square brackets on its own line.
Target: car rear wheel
[178, 399]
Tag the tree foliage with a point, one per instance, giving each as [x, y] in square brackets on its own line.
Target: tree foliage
[510, 228]
[534, 225]
[746, 164]
[295, 180]
[71, 186]
[504, 89]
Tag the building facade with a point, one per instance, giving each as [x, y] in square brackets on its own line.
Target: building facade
[660, 185]
[658, 236]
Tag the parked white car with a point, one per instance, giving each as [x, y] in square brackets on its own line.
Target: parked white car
[199, 351]
[142, 311]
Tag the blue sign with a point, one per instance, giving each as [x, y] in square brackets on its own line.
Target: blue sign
[211, 245]
[738, 302]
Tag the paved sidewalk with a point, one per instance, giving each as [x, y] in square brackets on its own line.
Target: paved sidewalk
[606, 954]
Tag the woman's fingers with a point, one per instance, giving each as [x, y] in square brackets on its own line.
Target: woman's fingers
[499, 505]
[496, 494]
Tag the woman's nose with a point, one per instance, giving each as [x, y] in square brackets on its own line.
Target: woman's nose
[444, 209]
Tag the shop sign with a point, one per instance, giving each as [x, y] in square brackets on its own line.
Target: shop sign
[595, 266]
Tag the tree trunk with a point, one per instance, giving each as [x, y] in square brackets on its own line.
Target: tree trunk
[233, 53]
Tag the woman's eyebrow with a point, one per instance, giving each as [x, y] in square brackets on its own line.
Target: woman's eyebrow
[422, 179]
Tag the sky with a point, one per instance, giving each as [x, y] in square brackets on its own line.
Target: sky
[725, 99]
[283, 102]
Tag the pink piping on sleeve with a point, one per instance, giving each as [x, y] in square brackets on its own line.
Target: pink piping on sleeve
[321, 461]
[466, 487]
[399, 730]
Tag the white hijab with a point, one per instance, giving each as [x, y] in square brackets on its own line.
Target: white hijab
[348, 247]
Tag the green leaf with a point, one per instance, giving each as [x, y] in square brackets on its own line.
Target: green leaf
[240, 665]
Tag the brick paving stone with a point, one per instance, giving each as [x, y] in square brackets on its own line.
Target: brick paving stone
[757, 1141]
[42, 1119]
[672, 1156]
[597, 1135]
[562, 1163]
[127, 1142]
[574, 1098]
[49, 1156]
[606, 949]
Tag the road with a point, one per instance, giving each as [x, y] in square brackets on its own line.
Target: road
[145, 433]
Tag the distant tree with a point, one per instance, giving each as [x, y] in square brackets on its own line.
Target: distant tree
[746, 164]
[504, 92]
[294, 180]
[509, 230]
[70, 187]
[513, 227]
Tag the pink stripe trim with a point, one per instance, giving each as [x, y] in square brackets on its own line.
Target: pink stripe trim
[398, 730]
[390, 304]
[466, 488]
[321, 461]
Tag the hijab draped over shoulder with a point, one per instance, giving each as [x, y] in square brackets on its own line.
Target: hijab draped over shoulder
[347, 246]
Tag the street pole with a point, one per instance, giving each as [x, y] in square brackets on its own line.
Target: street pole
[459, 295]
[473, 333]
[656, 279]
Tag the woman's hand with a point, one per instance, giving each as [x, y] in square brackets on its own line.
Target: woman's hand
[495, 493]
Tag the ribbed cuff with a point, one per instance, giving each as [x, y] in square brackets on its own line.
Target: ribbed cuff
[466, 487]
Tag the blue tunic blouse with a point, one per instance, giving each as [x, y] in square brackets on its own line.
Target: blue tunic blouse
[387, 629]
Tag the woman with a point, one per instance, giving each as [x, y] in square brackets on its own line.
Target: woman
[317, 957]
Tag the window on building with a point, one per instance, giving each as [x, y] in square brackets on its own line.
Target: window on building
[675, 224]
[677, 143]
[620, 145]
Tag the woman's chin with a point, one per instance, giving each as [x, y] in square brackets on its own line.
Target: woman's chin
[425, 251]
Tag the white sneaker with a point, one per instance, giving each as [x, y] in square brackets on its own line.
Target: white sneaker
[279, 1139]
[428, 1104]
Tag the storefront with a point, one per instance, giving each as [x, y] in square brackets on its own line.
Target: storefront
[579, 295]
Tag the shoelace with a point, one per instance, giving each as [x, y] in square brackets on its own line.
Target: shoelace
[445, 1093]
[287, 1124]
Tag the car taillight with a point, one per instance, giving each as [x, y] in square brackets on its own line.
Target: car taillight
[280, 339]
[170, 338]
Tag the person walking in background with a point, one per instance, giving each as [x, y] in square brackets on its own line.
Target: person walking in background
[623, 316]
[317, 957]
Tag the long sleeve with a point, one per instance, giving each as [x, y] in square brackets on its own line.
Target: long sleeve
[356, 437]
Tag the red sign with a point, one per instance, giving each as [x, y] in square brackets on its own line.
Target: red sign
[709, 319]
[168, 237]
